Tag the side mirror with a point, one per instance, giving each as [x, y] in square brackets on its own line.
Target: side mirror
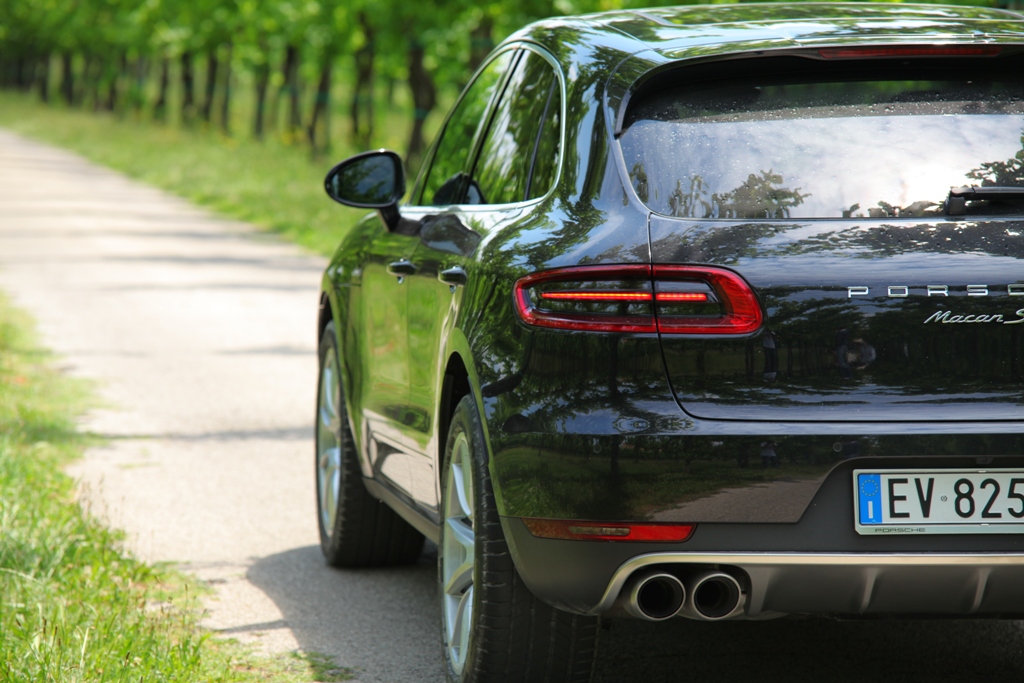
[372, 180]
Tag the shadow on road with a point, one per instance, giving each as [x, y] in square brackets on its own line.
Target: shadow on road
[811, 650]
[384, 623]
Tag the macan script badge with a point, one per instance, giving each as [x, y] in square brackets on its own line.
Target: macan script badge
[950, 318]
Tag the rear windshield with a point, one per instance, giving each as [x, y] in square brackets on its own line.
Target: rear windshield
[829, 142]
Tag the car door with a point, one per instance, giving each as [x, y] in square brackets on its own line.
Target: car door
[396, 424]
[516, 163]
[386, 264]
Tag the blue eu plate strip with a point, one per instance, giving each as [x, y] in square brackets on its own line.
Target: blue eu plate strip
[869, 487]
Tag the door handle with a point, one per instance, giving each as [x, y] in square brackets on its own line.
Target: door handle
[402, 268]
[456, 276]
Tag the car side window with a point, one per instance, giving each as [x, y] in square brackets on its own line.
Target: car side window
[446, 183]
[519, 156]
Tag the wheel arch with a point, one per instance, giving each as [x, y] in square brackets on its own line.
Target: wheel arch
[325, 314]
[455, 385]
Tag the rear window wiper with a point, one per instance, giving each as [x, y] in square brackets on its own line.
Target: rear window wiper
[956, 202]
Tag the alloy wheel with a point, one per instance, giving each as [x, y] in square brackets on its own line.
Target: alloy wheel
[328, 444]
[458, 558]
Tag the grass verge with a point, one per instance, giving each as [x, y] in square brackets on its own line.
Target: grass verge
[271, 184]
[74, 605]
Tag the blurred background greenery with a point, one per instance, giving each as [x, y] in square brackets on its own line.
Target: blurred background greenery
[228, 102]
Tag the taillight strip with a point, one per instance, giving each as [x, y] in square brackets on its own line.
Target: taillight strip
[597, 296]
[681, 296]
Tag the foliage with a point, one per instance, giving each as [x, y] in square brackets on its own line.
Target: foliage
[139, 55]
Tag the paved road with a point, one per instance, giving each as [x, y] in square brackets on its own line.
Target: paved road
[199, 333]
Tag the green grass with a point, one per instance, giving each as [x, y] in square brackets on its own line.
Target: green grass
[274, 185]
[74, 605]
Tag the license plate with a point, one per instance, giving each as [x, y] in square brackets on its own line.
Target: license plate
[921, 501]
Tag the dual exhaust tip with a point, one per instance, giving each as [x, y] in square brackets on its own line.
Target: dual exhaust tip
[658, 595]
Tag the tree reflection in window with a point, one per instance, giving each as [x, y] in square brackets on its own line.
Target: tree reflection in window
[1009, 173]
[760, 196]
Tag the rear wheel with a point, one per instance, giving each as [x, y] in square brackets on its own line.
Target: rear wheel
[493, 628]
[356, 529]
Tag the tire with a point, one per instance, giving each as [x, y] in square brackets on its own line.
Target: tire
[492, 628]
[356, 529]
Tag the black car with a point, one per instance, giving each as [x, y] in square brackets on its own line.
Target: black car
[710, 311]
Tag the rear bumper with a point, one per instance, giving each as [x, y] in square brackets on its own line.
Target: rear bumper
[819, 566]
[851, 584]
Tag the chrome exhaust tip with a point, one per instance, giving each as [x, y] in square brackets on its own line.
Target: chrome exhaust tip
[713, 595]
[654, 596]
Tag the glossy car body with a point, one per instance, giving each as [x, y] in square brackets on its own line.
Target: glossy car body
[750, 436]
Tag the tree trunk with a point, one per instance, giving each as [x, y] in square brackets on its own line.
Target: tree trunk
[138, 90]
[424, 97]
[188, 83]
[289, 86]
[481, 43]
[321, 110]
[262, 81]
[225, 102]
[24, 72]
[91, 83]
[67, 79]
[362, 94]
[212, 65]
[44, 79]
[293, 87]
[120, 70]
[160, 108]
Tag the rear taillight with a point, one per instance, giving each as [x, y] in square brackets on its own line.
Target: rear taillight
[910, 51]
[591, 298]
[731, 307]
[576, 530]
[693, 300]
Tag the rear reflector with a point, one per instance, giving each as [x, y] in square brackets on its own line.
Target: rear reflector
[576, 530]
[696, 300]
[910, 51]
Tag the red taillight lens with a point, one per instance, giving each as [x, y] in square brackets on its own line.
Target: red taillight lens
[740, 311]
[695, 300]
[576, 530]
[588, 298]
[910, 51]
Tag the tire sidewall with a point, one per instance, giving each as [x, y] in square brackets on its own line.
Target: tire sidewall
[328, 341]
[466, 420]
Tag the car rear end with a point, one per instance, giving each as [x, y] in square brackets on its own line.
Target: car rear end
[837, 290]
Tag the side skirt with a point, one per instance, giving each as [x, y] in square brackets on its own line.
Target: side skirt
[400, 504]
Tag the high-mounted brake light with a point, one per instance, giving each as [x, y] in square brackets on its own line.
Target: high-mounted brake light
[910, 51]
[693, 300]
[576, 530]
